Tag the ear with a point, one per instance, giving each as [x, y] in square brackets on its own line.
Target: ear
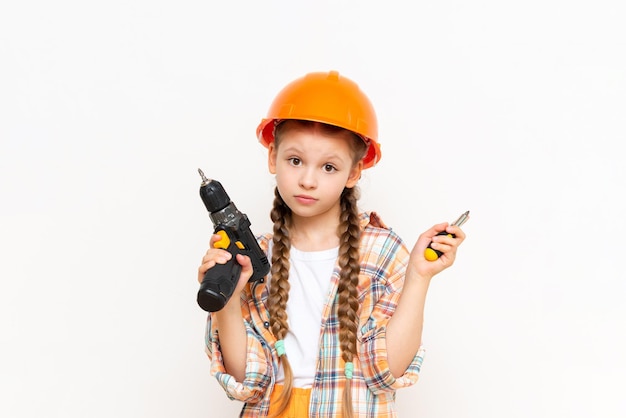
[271, 157]
[355, 175]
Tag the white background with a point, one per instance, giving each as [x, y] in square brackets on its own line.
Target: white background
[513, 110]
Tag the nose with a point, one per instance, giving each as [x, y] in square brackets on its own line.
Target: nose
[307, 179]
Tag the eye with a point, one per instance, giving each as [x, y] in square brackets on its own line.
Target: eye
[329, 168]
[294, 161]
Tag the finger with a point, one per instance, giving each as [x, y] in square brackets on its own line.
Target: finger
[246, 265]
[438, 228]
[216, 254]
[446, 244]
[448, 254]
[212, 257]
[442, 247]
[214, 239]
[246, 270]
[446, 239]
[204, 267]
[427, 236]
[456, 231]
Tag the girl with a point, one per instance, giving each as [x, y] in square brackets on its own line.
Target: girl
[335, 328]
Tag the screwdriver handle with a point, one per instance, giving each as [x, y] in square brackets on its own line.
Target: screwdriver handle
[430, 253]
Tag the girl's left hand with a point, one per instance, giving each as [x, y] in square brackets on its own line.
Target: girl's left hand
[444, 243]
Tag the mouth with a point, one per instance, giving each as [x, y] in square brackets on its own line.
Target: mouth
[305, 200]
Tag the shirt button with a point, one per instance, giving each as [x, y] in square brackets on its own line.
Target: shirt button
[266, 324]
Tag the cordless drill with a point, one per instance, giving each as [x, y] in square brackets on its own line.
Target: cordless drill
[233, 226]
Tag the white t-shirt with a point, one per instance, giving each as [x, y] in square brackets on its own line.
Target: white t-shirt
[309, 280]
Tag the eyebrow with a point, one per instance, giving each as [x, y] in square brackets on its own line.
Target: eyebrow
[292, 149]
[331, 157]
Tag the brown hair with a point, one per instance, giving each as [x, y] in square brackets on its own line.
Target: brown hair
[349, 232]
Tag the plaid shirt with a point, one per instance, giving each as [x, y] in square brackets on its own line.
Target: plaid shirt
[383, 263]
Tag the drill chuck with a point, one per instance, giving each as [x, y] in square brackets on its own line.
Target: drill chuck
[213, 194]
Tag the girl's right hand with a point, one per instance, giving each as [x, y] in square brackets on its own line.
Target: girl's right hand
[215, 256]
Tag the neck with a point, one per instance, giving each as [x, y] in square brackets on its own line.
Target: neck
[314, 234]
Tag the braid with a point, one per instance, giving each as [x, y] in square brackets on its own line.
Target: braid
[350, 233]
[279, 290]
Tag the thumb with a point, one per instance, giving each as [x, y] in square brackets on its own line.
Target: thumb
[246, 270]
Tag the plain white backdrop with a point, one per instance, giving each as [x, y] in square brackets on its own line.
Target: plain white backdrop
[513, 110]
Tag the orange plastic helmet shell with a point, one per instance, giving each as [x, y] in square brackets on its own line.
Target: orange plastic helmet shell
[328, 98]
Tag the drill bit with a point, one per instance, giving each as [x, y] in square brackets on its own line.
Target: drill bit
[459, 222]
[204, 179]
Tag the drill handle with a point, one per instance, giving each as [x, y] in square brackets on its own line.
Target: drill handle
[220, 281]
[218, 285]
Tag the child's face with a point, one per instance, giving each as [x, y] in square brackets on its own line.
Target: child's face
[312, 168]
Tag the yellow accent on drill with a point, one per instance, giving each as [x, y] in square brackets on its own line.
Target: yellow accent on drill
[224, 242]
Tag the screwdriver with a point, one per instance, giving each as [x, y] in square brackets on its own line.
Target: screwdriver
[431, 254]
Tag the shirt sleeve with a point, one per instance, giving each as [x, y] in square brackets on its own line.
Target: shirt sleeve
[375, 365]
[258, 366]
[387, 279]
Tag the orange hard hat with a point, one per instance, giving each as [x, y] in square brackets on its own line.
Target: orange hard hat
[328, 98]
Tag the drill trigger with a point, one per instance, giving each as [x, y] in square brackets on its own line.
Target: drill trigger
[224, 242]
